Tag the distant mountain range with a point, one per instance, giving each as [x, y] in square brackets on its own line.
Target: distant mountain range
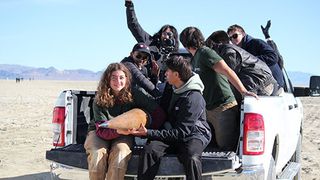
[10, 71]
[300, 78]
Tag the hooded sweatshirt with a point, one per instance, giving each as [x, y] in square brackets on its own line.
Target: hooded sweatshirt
[186, 115]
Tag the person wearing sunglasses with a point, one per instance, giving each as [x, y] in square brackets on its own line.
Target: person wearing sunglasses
[142, 78]
[161, 44]
[258, 48]
[265, 31]
[255, 75]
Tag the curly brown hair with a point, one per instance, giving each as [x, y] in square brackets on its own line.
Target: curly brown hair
[104, 96]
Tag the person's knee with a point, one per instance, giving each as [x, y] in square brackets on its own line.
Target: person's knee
[97, 160]
[191, 159]
[119, 155]
[119, 162]
[121, 148]
[97, 154]
[195, 157]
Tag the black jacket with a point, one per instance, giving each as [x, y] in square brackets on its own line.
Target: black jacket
[142, 36]
[263, 51]
[141, 79]
[253, 72]
[187, 115]
[274, 46]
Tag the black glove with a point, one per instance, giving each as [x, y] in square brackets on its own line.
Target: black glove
[128, 4]
[265, 30]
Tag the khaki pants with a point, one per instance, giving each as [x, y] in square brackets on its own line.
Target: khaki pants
[225, 121]
[107, 159]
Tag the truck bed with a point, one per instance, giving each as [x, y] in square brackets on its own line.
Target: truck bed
[74, 155]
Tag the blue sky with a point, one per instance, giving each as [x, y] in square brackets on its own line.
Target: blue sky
[83, 34]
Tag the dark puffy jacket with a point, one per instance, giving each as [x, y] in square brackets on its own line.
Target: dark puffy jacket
[187, 121]
[263, 51]
[253, 73]
[153, 42]
[140, 78]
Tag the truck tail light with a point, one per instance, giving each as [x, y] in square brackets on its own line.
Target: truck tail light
[58, 126]
[254, 139]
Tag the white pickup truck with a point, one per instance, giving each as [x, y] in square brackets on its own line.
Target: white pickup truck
[269, 145]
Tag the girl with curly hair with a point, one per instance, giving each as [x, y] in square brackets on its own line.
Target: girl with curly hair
[109, 152]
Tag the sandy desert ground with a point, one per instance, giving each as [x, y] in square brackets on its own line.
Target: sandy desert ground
[25, 128]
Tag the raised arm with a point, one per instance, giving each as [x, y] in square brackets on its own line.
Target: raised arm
[137, 31]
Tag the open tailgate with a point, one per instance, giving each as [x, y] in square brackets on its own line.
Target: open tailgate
[74, 155]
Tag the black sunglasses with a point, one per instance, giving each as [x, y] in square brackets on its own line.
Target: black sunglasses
[234, 36]
[141, 56]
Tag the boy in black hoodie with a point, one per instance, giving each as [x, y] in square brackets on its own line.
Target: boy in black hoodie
[189, 133]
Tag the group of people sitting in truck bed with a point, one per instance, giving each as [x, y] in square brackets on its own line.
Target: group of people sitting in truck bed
[191, 101]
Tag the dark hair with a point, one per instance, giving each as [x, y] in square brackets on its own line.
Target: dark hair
[191, 37]
[235, 27]
[175, 35]
[180, 65]
[104, 96]
[217, 37]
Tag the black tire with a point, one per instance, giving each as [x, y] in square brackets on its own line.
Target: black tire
[296, 157]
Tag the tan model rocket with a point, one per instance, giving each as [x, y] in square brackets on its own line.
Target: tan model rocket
[128, 120]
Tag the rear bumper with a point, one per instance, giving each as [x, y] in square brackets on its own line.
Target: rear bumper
[61, 171]
[242, 173]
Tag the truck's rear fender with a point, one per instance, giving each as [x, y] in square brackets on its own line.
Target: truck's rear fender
[282, 121]
[269, 114]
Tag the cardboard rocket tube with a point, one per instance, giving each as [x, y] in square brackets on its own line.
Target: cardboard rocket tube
[128, 120]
